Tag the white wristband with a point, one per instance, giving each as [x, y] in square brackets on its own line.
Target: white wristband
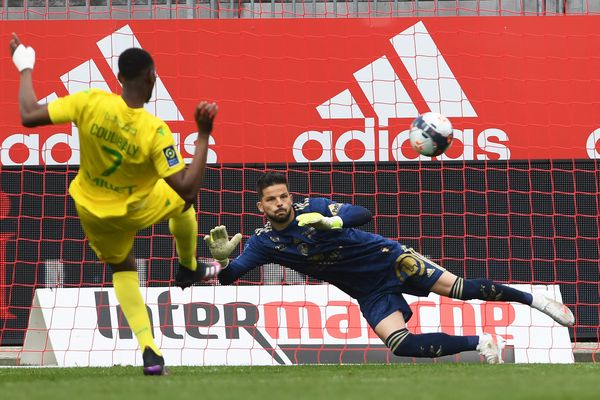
[24, 57]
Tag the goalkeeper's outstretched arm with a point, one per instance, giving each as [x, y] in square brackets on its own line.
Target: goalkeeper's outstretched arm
[325, 215]
[251, 257]
[221, 247]
[353, 215]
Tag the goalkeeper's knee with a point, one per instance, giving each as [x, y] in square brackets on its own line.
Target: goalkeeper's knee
[413, 265]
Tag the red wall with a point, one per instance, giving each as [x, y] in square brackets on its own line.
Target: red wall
[532, 82]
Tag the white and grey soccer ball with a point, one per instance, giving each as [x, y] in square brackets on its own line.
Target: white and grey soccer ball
[431, 134]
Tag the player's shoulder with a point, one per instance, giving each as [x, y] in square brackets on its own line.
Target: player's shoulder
[157, 125]
[266, 229]
[312, 204]
[153, 118]
[96, 92]
[300, 206]
[87, 96]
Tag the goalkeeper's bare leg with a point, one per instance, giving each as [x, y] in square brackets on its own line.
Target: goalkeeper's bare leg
[126, 285]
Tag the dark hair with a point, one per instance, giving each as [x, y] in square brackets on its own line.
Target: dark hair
[269, 179]
[133, 62]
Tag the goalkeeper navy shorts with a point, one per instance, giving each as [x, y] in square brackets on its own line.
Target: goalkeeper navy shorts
[403, 278]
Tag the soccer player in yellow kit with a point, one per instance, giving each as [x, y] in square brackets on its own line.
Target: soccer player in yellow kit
[131, 176]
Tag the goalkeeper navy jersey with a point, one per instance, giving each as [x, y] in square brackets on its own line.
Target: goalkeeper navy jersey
[355, 261]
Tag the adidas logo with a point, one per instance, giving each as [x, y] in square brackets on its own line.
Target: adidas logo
[85, 76]
[390, 100]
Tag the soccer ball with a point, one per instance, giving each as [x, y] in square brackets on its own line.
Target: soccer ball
[431, 134]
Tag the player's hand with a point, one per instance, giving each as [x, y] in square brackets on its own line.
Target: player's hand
[319, 222]
[219, 244]
[14, 43]
[205, 115]
[23, 57]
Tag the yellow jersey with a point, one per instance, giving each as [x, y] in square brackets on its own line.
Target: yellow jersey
[124, 151]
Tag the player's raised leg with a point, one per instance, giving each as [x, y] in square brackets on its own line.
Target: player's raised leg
[184, 228]
[186, 184]
[164, 203]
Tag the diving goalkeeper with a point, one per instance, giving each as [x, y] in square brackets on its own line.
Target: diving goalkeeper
[131, 176]
[319, 238]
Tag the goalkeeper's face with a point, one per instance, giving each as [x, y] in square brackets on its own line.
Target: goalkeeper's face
[276, 204]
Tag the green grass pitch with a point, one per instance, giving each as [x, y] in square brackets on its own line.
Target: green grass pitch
[332, 382]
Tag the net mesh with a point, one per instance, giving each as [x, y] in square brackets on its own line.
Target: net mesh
[516, 222]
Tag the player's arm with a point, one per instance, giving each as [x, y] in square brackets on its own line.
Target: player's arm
[329, 215]
[221, 247]
[251, 257]
[353, 215]
[187, 182]
[32, 113]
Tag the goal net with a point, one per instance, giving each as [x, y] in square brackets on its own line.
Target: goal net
[328, 102]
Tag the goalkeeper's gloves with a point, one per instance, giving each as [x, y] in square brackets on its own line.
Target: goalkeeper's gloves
[24, 57]
[219, 244]
[319, 222]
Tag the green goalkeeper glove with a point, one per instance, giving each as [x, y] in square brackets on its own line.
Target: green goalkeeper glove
[319, 222]
[219, 244]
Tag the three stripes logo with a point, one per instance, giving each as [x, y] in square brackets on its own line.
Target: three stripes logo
[85, 76]
[386, 102]
[390, 99]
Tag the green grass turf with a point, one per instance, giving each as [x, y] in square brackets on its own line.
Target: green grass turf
[332, 382]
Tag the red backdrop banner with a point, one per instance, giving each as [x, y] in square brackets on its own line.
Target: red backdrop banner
[336, 90]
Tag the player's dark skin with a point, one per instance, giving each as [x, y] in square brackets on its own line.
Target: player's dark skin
[136, 92]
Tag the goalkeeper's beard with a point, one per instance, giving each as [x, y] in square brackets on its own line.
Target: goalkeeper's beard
[281, 217]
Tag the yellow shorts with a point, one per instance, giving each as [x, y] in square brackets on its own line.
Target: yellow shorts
[112, 238]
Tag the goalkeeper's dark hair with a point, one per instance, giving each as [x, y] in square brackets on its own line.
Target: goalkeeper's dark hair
[134, 62]
[269, 179]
